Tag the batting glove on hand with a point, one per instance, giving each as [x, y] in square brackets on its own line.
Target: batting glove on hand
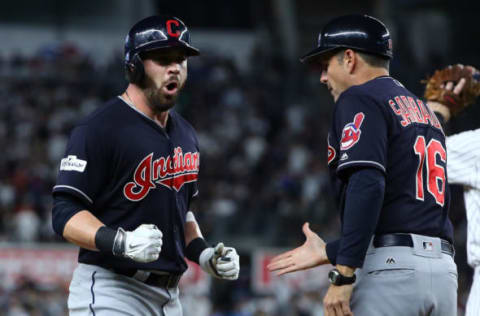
[221, 262]
[142, 245]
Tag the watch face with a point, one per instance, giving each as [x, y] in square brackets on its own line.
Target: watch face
[333, 276]
[337, 279]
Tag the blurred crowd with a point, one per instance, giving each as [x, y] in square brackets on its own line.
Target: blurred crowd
[262, 134]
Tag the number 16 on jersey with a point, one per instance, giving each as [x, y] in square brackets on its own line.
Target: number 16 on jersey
[435, 173]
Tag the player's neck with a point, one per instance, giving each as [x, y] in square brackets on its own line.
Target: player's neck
[162, 118]
[138, 100]
[370, 73]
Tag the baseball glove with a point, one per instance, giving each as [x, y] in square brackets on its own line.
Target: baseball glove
[438, 88]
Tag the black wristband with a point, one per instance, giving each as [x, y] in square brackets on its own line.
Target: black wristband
[105, 238]
[195, 248]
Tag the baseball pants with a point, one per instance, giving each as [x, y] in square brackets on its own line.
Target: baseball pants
[406, 281]
[95, 291]
[473, 303]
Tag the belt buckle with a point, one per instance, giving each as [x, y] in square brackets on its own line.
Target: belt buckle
[141, 275]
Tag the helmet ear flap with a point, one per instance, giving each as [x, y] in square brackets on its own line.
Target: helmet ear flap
[134, 69]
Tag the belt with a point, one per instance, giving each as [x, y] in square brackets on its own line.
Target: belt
[166, 280]
[405, 240]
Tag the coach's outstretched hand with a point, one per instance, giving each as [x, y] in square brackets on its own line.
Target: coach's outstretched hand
[221, 262]
[142, 245]
[311, 254]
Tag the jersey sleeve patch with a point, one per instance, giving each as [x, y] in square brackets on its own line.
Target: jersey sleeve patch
[351, 132]
[361, 126]
[84, 167]
[331, 153]
[72, 163]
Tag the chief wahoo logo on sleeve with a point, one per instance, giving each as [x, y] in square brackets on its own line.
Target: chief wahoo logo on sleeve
[351, 132]
[331, 153]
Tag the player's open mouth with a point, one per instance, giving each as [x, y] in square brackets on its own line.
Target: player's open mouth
[171, 87]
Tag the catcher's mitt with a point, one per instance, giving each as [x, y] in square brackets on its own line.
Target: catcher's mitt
[438, 90]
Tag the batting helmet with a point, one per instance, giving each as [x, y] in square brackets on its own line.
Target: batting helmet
[359, 32]
[155, 32]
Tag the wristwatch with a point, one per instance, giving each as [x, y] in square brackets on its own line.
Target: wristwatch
[336, 278]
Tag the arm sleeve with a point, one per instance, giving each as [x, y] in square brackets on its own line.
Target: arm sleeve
[463, 158]
[362, 131]
[363, 203]
[84, 169]
[64, 207]
[332, 250]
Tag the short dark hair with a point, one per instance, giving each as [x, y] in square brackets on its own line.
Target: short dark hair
[375, 60]
[371, 59]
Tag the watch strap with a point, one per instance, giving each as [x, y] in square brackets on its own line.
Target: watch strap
[343, 279]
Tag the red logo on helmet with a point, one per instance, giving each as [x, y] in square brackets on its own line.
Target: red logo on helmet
[171, 172]
[170, 29]
[351, 132]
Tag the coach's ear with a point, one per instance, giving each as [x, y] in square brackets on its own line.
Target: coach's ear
[350, 59]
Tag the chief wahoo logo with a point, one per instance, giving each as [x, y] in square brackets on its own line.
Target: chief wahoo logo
[351, 132]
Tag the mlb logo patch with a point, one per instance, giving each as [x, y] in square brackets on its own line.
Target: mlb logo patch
[428, 245]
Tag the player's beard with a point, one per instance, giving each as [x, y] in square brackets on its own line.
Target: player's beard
[157, 100]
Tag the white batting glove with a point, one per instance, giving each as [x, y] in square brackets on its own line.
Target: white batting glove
[142, 245]
[221, 262]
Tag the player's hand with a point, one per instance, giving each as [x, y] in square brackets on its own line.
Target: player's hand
[311, 254]
[221, 262]
[143, 244]
[337, 301]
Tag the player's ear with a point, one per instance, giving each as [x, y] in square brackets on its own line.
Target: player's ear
[350, 60]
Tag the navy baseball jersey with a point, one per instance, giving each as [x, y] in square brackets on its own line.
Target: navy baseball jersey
[382, 125]
[129, 171]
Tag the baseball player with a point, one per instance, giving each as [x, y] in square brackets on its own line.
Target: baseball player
[387, 156]
[126, 187]
[463, 151]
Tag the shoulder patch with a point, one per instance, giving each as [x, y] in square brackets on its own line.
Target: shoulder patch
[331, 154]
[72, 163]
[351, 132]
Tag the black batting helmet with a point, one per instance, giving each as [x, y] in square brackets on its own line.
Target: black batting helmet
[359, 32]
[154, 32]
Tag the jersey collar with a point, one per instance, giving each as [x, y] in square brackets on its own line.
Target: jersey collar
[169, 121]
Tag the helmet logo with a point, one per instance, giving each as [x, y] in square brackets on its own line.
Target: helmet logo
[170, 29]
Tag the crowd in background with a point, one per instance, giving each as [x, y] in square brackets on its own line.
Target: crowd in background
[262, 135]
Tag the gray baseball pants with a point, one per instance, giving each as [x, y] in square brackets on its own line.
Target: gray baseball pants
[406, 281]
[95, 291]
